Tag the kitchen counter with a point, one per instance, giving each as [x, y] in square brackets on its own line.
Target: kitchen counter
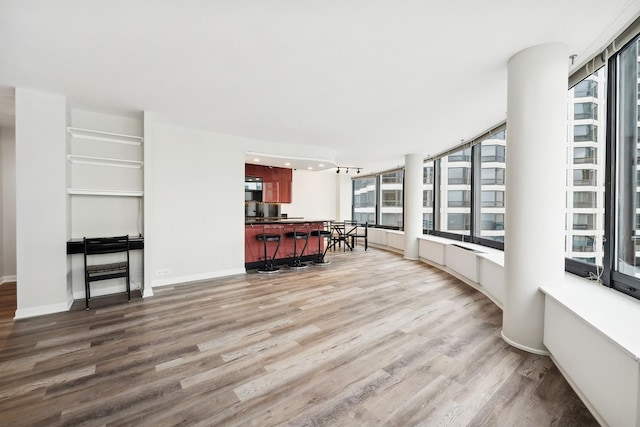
[254, 249]
[280, 220]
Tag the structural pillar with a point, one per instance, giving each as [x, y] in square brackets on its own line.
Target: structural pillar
[413, 175]
[535, 189]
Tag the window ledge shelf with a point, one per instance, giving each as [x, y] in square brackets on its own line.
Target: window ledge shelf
[104, 161]
[93, 192]
[611, 313]
[95, 135]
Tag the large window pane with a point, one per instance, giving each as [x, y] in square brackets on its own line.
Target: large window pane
[585, 168]
[455, 192]
[427, 196]
[364, 200]
[492, 187]
[391, 198]
[628, 230]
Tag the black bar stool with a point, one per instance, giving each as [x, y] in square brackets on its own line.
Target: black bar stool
[322, 232]
[296, 261]
[267, 266]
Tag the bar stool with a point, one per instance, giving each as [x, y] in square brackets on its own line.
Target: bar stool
[296, 261]
[322, 232]
[267, 266]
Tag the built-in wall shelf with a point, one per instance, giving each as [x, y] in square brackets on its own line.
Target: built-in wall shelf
[96, 135]
[113, 193]
[104, 161]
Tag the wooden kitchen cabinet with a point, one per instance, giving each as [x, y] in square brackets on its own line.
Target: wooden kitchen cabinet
[276, 182]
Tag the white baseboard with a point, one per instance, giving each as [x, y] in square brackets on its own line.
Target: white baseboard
[24, 313]
[196, 277]
[7, 279]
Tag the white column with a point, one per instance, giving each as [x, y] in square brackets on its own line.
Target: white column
[41, 204]
[413, 164]
[535, 189]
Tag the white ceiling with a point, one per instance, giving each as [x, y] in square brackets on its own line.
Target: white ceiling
[371, 79]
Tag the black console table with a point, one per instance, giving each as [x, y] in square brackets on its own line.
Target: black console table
[76, 246]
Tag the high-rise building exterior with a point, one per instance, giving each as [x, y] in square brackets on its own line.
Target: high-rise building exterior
[586, 128]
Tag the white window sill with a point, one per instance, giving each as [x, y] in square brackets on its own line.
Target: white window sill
[613, 314]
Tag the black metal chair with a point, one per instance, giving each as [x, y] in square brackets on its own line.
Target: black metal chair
[296, 234]
[267, 265]
[322, 232]
[359, 231]
[97, 246]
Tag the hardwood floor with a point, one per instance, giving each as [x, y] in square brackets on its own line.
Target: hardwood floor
[371, 339]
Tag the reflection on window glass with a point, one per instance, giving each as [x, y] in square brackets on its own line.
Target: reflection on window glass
[628, 229]
[364, 200]
[459, 198]
[458, 221]
[459, 176]
[391, 198]
[584, 177]
[585, 169]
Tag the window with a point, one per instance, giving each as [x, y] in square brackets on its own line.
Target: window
[427, 221]
[428, 180]
[583, 155]
[626, 255]
[492, 188]
[583, 243]
[493, 153]
[586, 88]
[492, 176]
[585, 210]
[391, 193]
[459, 198]
[364, 200]
[454, 202]
[460, 156]
[584, 177]
[391, 198]
[492, 221]
[427, 174]
[584, 199]
[427, 198]
[459, 176]
[585, 110]
[458, 221]
[584, 221]
[585, 133]
[492, 199]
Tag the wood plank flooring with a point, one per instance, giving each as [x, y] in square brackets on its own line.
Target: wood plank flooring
[371, 339]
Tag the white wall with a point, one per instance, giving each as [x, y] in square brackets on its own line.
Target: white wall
[8, 211]
[194, 204]
[41, 216]
[313, 195]
[344, 195]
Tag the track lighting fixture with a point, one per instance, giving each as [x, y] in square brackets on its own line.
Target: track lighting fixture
[346, 169]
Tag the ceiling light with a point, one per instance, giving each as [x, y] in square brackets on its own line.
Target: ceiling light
[347, 170]
[338, 171]
[358, 171]
[287, 164]
[320, 165]
[256, 160]
[310, 167]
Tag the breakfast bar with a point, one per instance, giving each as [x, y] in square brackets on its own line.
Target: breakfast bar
[287, 247]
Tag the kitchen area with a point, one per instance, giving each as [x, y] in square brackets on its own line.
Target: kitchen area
[267, 189]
